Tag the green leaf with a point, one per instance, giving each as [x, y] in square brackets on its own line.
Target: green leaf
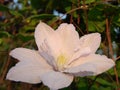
[3, 8]
[96, 14]
[81, 84]
[42, 16]
[68, 8]
[105, 82]
[15, 13]
[88, 1]
[104, 88]
[25, 38]
[116, 20]
[96, 26]
[4, 34]
[118, 67]
[91, 27]
[1, 40]
[27, 29]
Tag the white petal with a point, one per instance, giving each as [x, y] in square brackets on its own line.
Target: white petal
[69, 36]
[42, 31]
[32, 56]
[30, 67]
[91, 40]
[82, 52]
[90, 65]
[48, 42]
[26, 72]
[56, 80]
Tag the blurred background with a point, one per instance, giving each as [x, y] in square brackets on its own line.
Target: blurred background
[18, 19]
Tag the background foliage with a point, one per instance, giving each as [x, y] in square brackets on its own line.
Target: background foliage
[18, 19]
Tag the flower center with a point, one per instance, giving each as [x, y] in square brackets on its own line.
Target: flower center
[61, 62]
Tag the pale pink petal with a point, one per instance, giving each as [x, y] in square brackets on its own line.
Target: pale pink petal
[92, 64]
[42, 32]
[32, 56]
[48, 42]
[30, 67]
[82, 52]
[87, 44]
[91, 40]
[56, 80]
[26, 72]
[69, 37]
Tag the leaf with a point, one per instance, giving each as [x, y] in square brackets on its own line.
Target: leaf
[25, 38]
[4, 34]
[42, 16]
[94, 26]
[3, 8]
[15, 13]
[88, 1]
[27, 29]
[1, 40]
[96, 13]
[67, 8]
[105, 82]
[105, 88]
[81, 84]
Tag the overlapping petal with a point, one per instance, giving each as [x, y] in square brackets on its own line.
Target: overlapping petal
[25, 72]
[90, 40]
[69, 36]
[56, 80]
[87, 44]
[42, 32]
[48, 42]
[30, 67]
[92, 64]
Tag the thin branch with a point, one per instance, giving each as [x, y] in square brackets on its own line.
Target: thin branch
[86, 16]
[110, 48]
[117, 58]
[71, 16]
[78, 28]
[5, 68]
[75, 9]
[78, 19]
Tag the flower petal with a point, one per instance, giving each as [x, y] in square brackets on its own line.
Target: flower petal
[92, 64]
[42, 31]
[30, 67]
[46, 40]
[32, 56]
[91, 40]
[26, 72]
[56, 80]
[69, 36]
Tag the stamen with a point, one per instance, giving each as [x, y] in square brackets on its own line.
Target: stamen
[61, 61]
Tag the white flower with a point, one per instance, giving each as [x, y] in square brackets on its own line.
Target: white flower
[61, 55]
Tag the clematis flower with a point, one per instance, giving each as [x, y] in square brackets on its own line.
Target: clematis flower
[61, 55]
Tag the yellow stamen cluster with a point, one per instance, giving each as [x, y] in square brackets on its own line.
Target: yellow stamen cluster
[61, 61]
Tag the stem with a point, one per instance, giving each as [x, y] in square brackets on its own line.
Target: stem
[75, 9]
[78, 28]
[78, 19]
[111, 49]
[117, 58]
[5, 68]
[71, 16]
[86, 16]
